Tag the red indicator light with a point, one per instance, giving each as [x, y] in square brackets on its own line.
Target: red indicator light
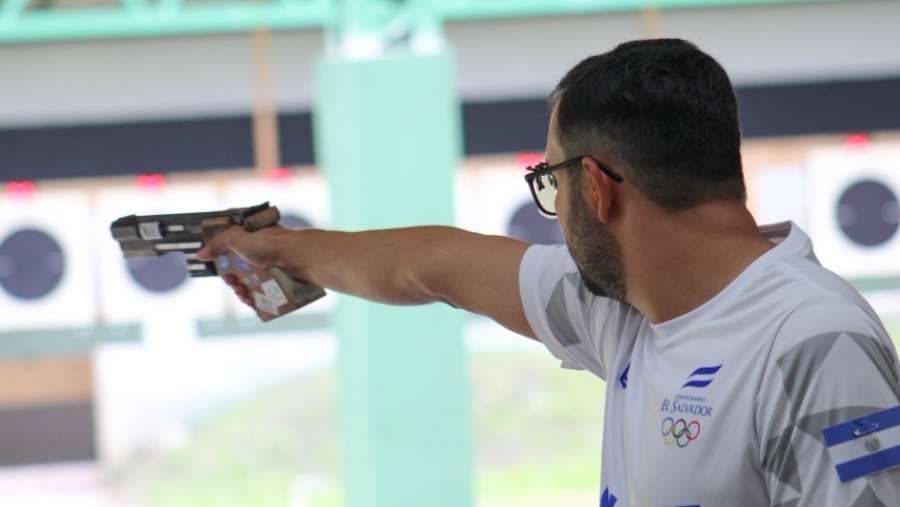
[151, 181]
[524, 160]
[858, 140]
[21, 188]
[279, 175]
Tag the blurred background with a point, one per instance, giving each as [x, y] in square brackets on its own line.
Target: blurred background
[124, 384]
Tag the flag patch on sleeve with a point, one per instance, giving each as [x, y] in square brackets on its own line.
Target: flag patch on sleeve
[865, 445]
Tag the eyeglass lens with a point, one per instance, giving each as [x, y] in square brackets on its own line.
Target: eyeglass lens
[545, 190]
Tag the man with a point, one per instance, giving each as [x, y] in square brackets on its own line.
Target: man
[739, 372]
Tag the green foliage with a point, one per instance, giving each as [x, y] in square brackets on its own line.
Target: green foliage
[537, 430]
[892, 324]
[249, 454]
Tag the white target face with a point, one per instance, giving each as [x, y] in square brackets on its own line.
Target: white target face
[854, 209]
[46, 261]
[778, 193]
[133, 290]
[464, 200]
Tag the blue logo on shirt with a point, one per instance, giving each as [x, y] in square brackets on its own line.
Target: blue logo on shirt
[607, 499]
[623, 378]
[701, 377]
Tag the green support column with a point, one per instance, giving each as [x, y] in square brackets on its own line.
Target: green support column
[388, 138]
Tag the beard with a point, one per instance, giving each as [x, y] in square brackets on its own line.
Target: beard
[596, 251]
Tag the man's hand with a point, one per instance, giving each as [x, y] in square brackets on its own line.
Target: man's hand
[258, 248]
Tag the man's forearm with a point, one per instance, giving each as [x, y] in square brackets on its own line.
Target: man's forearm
[390, 266]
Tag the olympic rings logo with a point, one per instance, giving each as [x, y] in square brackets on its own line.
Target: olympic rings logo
[679, 432]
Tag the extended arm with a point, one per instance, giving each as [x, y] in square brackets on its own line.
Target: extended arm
[409, 266]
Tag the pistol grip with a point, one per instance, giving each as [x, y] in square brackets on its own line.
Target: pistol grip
[299, 292]
[273, 291]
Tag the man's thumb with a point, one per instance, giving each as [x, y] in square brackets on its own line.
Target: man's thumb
[217, 244]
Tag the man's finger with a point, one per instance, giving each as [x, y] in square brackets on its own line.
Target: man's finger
[216, 245]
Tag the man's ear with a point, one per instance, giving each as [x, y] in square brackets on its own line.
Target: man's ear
[602, 189]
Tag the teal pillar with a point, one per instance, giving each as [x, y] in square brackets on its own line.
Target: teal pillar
[388, 138]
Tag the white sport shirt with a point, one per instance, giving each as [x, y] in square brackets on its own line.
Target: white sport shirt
[725, 406]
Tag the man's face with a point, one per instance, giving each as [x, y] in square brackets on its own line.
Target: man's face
[595, 249]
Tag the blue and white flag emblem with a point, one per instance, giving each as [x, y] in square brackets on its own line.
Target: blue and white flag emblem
[866, 445]
[701, 377]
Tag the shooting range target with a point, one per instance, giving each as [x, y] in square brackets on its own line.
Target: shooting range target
[46, 261]
[854, 215]
[133, 290]
[302, 198]
[779, 192]
[503, 204]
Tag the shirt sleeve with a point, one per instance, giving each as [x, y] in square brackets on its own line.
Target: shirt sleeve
[832, 363]
[582, 330]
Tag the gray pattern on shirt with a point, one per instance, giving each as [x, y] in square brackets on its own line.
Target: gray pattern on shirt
[799, 367]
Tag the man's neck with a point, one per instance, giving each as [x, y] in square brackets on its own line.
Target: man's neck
[675, 262]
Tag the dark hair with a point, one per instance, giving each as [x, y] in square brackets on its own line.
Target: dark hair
[664, 112]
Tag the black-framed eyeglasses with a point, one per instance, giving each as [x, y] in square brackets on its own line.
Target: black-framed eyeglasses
[543, 183]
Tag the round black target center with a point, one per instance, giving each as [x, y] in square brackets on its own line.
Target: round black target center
[529, 225]
[868, 213]
[31, 264]
[292, 221]
[159, 274]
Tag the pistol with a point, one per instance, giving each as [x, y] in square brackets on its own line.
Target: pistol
[274, 292]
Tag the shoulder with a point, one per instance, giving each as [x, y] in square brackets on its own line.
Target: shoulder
[823, 318]
[548, 277]
[580, 328]
[808, 300]
[828, 325]
[831, 358]
[827, 322]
